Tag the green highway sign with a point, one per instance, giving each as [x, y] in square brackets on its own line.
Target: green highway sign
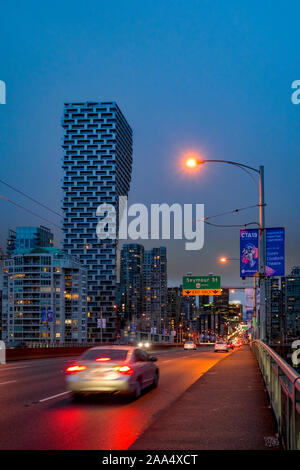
[201, 285]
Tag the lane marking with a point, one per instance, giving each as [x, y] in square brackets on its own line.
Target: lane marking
[8, 382]
[11, 368]
[53, 396]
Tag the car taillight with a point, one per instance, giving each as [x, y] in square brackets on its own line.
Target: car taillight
[125, 370]
[74, 369]
[103, 359]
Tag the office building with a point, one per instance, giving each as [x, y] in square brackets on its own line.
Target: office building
[292, 304]
[155, 280]
[131, 281]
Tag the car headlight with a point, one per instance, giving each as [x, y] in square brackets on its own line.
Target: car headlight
[147, 345]
[140, 345]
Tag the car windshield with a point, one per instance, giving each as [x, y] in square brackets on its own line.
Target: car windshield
[105, 354]
[189, 342]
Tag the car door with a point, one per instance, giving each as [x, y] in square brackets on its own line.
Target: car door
[150, 368]
[140, 365]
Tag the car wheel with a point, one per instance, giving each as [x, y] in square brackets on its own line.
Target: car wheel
[77, 397]
[138, 390]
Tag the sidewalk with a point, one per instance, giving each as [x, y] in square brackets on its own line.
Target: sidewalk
[227, 408]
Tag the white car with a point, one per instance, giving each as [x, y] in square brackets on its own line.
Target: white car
[189, 345]
[112, 369]
[221, 346]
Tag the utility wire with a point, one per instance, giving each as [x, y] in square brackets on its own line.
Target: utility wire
[228, 212]
[29, 211]
[237, 225]
[29, 197]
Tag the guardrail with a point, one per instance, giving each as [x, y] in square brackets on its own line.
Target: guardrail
[283, 385]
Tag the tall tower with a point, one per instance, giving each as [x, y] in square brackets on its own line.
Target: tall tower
[155, 281]
[97, 165]
[131, 280]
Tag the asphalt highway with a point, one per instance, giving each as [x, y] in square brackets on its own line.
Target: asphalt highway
[37, 412]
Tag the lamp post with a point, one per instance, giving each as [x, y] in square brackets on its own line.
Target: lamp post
[194, 162]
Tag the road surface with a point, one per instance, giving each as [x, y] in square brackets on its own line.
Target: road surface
[38, 413]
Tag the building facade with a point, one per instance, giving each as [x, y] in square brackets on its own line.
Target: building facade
[155, 280]
[44, 297]
[283, 307]
[25, 238]
[292, 303]
[97, 163]
[131, 281]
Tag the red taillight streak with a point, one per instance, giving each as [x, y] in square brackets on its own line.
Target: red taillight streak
[75, 368]
[103, 359]
[125, 370]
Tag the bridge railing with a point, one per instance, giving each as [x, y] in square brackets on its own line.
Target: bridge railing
[283, 386]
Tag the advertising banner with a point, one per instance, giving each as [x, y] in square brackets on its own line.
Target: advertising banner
[249, 304]
[248, 252]
[43, 315]
[50, 315]
[275, 251]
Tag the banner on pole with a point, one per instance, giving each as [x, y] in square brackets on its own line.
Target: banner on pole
[248, 252]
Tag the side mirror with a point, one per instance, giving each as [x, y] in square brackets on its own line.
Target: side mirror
[153, 359]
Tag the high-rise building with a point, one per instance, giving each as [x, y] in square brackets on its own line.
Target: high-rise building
[275, 310]
[292, 303]
[44, 297]
[97, 165]
[131, 281]
[24, 238]
[155, 280]
[283, 307]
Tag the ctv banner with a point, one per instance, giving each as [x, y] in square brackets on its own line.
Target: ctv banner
[248, 252]
[275, 251]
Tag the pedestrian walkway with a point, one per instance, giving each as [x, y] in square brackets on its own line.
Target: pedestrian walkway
[227, 408]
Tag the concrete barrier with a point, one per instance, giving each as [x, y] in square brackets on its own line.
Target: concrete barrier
[21, 354]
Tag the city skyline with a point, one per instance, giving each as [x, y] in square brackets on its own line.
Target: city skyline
[247, 116]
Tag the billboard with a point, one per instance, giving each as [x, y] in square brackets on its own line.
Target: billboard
[248, 252]
[275, 251]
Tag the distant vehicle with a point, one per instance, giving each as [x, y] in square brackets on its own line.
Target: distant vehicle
[221, 346]
[189, 345]
[112, 369]
[144, 344]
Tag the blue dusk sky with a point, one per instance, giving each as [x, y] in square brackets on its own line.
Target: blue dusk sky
[209, 76]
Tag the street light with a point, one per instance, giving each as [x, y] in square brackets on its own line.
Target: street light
[192, 162]
[223, 259]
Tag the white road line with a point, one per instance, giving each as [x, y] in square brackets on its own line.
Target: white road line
[169, 360]
[53, 396]
[8, 382]
[11, 368]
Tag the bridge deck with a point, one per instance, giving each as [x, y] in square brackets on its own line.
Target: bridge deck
[227, 408]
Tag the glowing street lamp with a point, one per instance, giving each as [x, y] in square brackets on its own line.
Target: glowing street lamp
[192, 162]
[223, 259]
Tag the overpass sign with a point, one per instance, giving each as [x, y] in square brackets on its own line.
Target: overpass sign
[201, 285]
